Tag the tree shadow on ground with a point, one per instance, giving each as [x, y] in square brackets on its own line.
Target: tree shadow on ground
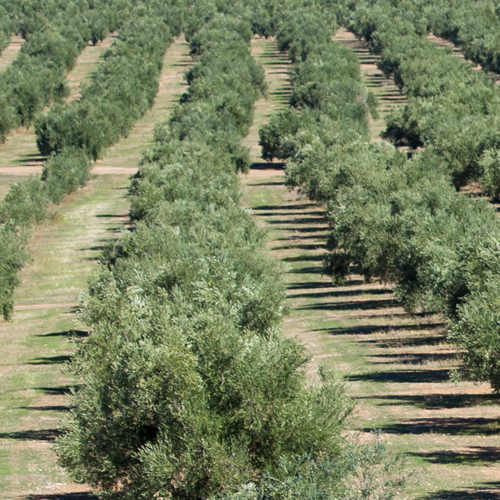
[490, 491]
[95, 248]
[113, 216]
[267, 166]
[352, 306]
[403, 377]
[413, 358]
[413, 341]
[47, 408]
[307, 270]
[476, 455]
[391, 342]
[303, 258]
[32, 435]
[451, 426]
[302, 246]
[57, 391]
[434, 401]
[51, 360]
[280, 213]
[300, 285]
[63, 496]
[340, 293]
[295, 206]
[32, 158]
[301, 220]
[68, 333]
[269, 183]
[298, 237]
[308, 229]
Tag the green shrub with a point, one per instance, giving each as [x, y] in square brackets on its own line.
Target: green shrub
[25, 204]
[359, 472]
[12, 258]
[65, 173]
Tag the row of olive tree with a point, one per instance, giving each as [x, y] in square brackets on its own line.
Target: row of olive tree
[452, 109]
[122, 88]
[398, 219]
[55, 33]
[473, 26]
[7, 24]
[188, 389]
[446, 245]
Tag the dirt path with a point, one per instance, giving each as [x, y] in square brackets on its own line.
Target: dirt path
[37, 343]
[276, 70]
[10, 52]
[396, 365]
[122, 158]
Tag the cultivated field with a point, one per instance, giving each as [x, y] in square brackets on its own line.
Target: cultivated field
[396, 365]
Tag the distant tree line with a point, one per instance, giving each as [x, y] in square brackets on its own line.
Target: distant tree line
[188, 389]
[401, 219]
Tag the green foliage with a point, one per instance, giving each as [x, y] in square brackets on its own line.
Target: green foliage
[65, 173]
[328, 103]
[397, 219]
[359, 473]
[25, 204]
[477, 333]
[490, 165]
[450, 106]
[122, 89]
[55, 33]
[12, 258]
[188, 388]
[472, 26]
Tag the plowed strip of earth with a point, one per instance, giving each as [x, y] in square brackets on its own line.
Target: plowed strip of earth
[10, 52]
[42, 336]
[396, 365]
